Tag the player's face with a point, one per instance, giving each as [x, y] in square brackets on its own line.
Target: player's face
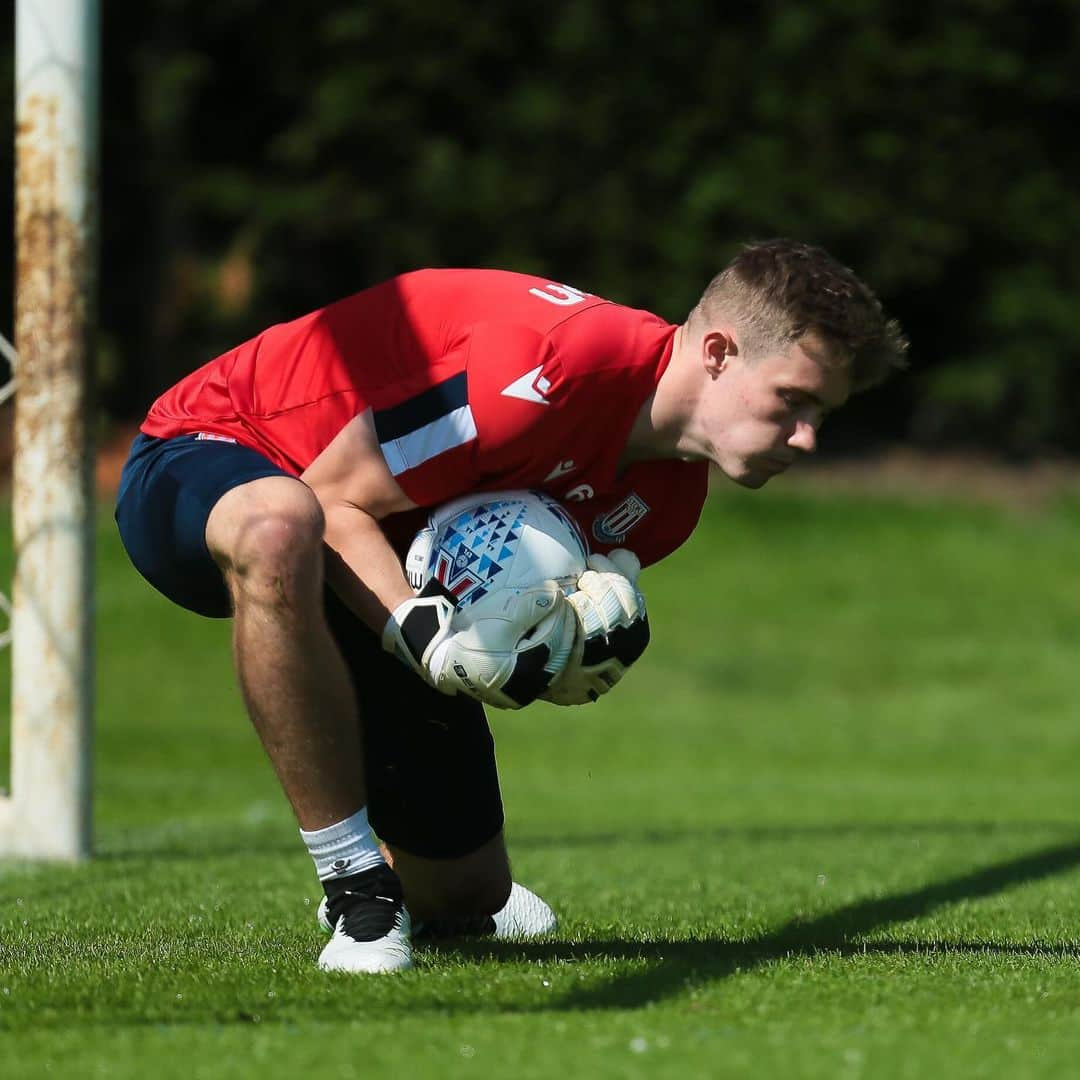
[764, 414]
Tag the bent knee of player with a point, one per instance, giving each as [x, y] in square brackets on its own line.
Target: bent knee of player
[267, 538]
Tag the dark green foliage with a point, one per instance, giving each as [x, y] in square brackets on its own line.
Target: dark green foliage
[257, 167]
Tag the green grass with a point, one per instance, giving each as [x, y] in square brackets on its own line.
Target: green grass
[830, 827]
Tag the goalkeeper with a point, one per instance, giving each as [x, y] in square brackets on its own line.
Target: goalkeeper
[280, 484]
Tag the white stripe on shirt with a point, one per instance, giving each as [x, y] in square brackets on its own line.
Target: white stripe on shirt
[452, 430]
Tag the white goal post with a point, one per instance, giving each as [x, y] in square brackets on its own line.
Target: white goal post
[47, 814]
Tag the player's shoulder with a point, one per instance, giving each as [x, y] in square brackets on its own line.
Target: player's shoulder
[610, 338]
[521, 302]
[581, 333]
[506, 297]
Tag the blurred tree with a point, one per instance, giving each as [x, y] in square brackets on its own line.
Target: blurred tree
[256, 167]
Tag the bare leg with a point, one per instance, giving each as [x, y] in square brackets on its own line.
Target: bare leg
[267, 537]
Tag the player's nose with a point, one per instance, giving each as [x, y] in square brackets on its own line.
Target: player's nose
[804, 437]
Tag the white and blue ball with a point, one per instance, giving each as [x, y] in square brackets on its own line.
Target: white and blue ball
[489, 551]
[478, 544]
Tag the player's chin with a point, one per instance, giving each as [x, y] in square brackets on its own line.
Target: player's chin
[759, 471]
[754, 482]
[751, 477]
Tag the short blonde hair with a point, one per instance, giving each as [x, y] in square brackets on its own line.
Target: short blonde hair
[777, 292]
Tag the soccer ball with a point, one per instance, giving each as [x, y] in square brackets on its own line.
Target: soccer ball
[489, 551]
[497, 540]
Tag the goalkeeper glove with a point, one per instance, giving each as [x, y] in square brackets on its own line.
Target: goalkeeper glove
[502, 650]
[613, 629]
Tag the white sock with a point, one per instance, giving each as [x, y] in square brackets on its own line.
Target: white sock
[349, 847]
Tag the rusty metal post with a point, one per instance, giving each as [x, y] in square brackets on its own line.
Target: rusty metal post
[57, 46]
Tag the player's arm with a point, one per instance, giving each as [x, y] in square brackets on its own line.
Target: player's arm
[356, 490]
[444, 646]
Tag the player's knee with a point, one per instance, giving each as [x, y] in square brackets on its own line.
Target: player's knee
[272, 543]
[274, 539]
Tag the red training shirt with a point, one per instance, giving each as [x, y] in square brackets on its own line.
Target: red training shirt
[478, 380]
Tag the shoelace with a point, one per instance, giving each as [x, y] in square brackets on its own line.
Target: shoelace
[370, 904]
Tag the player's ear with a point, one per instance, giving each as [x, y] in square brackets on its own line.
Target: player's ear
[716, 347]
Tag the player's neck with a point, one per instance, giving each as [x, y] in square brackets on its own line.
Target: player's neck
[662, 429]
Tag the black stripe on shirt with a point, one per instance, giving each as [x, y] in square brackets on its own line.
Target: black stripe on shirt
[436, 401]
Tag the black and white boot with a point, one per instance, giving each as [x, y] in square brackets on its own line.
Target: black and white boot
[371, 928]
[524, 917]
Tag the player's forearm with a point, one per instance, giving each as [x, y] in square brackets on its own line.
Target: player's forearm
[362, 567]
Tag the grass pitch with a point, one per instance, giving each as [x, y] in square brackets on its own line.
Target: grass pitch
[830, 827]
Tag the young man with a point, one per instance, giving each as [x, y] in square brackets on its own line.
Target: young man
[280, 484]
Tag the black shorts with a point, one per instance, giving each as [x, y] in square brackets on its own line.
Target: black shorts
[429, 759]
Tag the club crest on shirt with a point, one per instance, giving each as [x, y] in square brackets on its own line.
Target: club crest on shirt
[612, 527]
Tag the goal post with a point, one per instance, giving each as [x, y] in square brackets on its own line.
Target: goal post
[48, 812]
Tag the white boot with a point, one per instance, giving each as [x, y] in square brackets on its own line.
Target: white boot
[522, 917]
[370, 925]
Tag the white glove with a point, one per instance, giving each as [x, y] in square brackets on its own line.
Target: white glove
[613, 629]
[502, 650]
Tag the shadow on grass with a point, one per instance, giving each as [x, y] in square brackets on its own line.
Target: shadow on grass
[674, 965]
[653, 971]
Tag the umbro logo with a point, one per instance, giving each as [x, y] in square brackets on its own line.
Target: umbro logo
[532, 386]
